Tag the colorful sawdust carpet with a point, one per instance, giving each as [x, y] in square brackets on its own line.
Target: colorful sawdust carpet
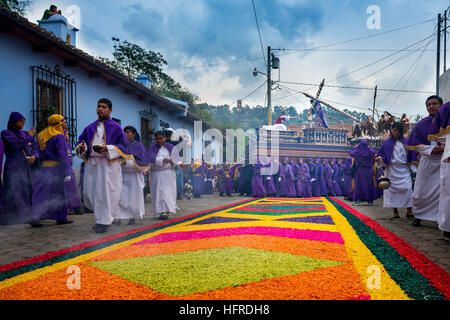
[260, 249]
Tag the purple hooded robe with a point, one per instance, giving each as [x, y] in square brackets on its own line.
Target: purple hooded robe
[2, 151]
[289, 179]
[258, 188]
[328, 175]
[364, 185]
[18, 175]
[70, 187]
[313, 172]
[321, 178]
[335, 178]
[348, 180]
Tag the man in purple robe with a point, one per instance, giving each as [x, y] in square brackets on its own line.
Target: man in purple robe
[426, 190]
[328, 176]
[321, 178]
[289, 179]
[49, 197]
[258, 188]
[101, 145]
[335, 178]
[440, 132]
[364, 185]
[21, 152]
[340, 176]
[209, 186]
[313, 172]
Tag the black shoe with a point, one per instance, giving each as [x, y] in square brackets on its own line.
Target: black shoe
[59, 222]
[416, 222]
[446, 235]
[229, 195]
[131, 221]
[100, 228]
[36, 223]
[77, 211]
[221, 194]
[410, 216]
[86, 210]
[164, 216]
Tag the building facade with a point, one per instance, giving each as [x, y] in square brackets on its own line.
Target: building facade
[43, 72]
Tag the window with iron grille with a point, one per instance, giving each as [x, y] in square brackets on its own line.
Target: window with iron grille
[149, 121]
[54, 92]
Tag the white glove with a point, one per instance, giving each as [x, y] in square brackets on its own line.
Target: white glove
[279, 179]
[205, 180]
[67, 179]
[313, 179]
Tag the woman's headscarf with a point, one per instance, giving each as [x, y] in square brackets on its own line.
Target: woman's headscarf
[55, 127]
[13, 118]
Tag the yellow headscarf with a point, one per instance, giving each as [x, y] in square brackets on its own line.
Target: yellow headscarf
[55, 127]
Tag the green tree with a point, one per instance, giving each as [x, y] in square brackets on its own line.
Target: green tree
[17, 6]
[133, 60]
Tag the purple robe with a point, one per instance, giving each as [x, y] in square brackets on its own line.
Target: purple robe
[418, 137]
[321, 179]
[328, 176]
[305, 181]
[440, 125]
[289, 181]
[114, 135]
[241, 180]
[335, 179]
[18, 176]
[227, 181]
[387, 148]
[296, 172]
[198, 180]
[348, 180]
[364, 185]
[340, 176]
[280, 180]
[258, 189]
[70, 187]
[49, 197]
[137, 150]
[313, 173]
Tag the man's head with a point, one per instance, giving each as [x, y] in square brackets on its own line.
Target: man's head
[104, 108]
[397, 130]
[53, 8]
[130, 132]
[433, 104]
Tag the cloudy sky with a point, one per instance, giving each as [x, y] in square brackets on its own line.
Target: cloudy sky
[212, 46]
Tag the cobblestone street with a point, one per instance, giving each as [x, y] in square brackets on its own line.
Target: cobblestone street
[19, 242]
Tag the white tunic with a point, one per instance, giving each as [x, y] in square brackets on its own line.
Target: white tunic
[131, 204]
[444, 198]
[102, 182]
[426, 189]
[399, 194]
[163, 184]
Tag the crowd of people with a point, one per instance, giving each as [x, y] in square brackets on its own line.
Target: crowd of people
[39, 182]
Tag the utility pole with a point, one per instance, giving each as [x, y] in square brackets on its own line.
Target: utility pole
[445, 40]
[438, 54]
[373, 114]
[239, 106]
[269, 87]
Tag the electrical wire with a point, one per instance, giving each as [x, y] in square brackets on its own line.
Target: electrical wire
[259, 33]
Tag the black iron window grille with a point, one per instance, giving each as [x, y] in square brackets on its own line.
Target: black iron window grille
[54, 92]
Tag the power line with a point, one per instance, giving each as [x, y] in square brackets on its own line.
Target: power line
[259, 33]
[363, 37]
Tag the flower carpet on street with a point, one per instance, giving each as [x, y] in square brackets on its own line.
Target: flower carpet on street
[258, 249]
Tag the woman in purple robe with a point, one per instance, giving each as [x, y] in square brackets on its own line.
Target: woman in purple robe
[49, 197]
[335, 178]
[21, 152]
[328, 175]
[313, 172]
[321, 178]
[227, 182]
[258, 188]
[198, 178]
[348, 180]
[209, 186]
[70, 187]
[364, 186]
[289, 179]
